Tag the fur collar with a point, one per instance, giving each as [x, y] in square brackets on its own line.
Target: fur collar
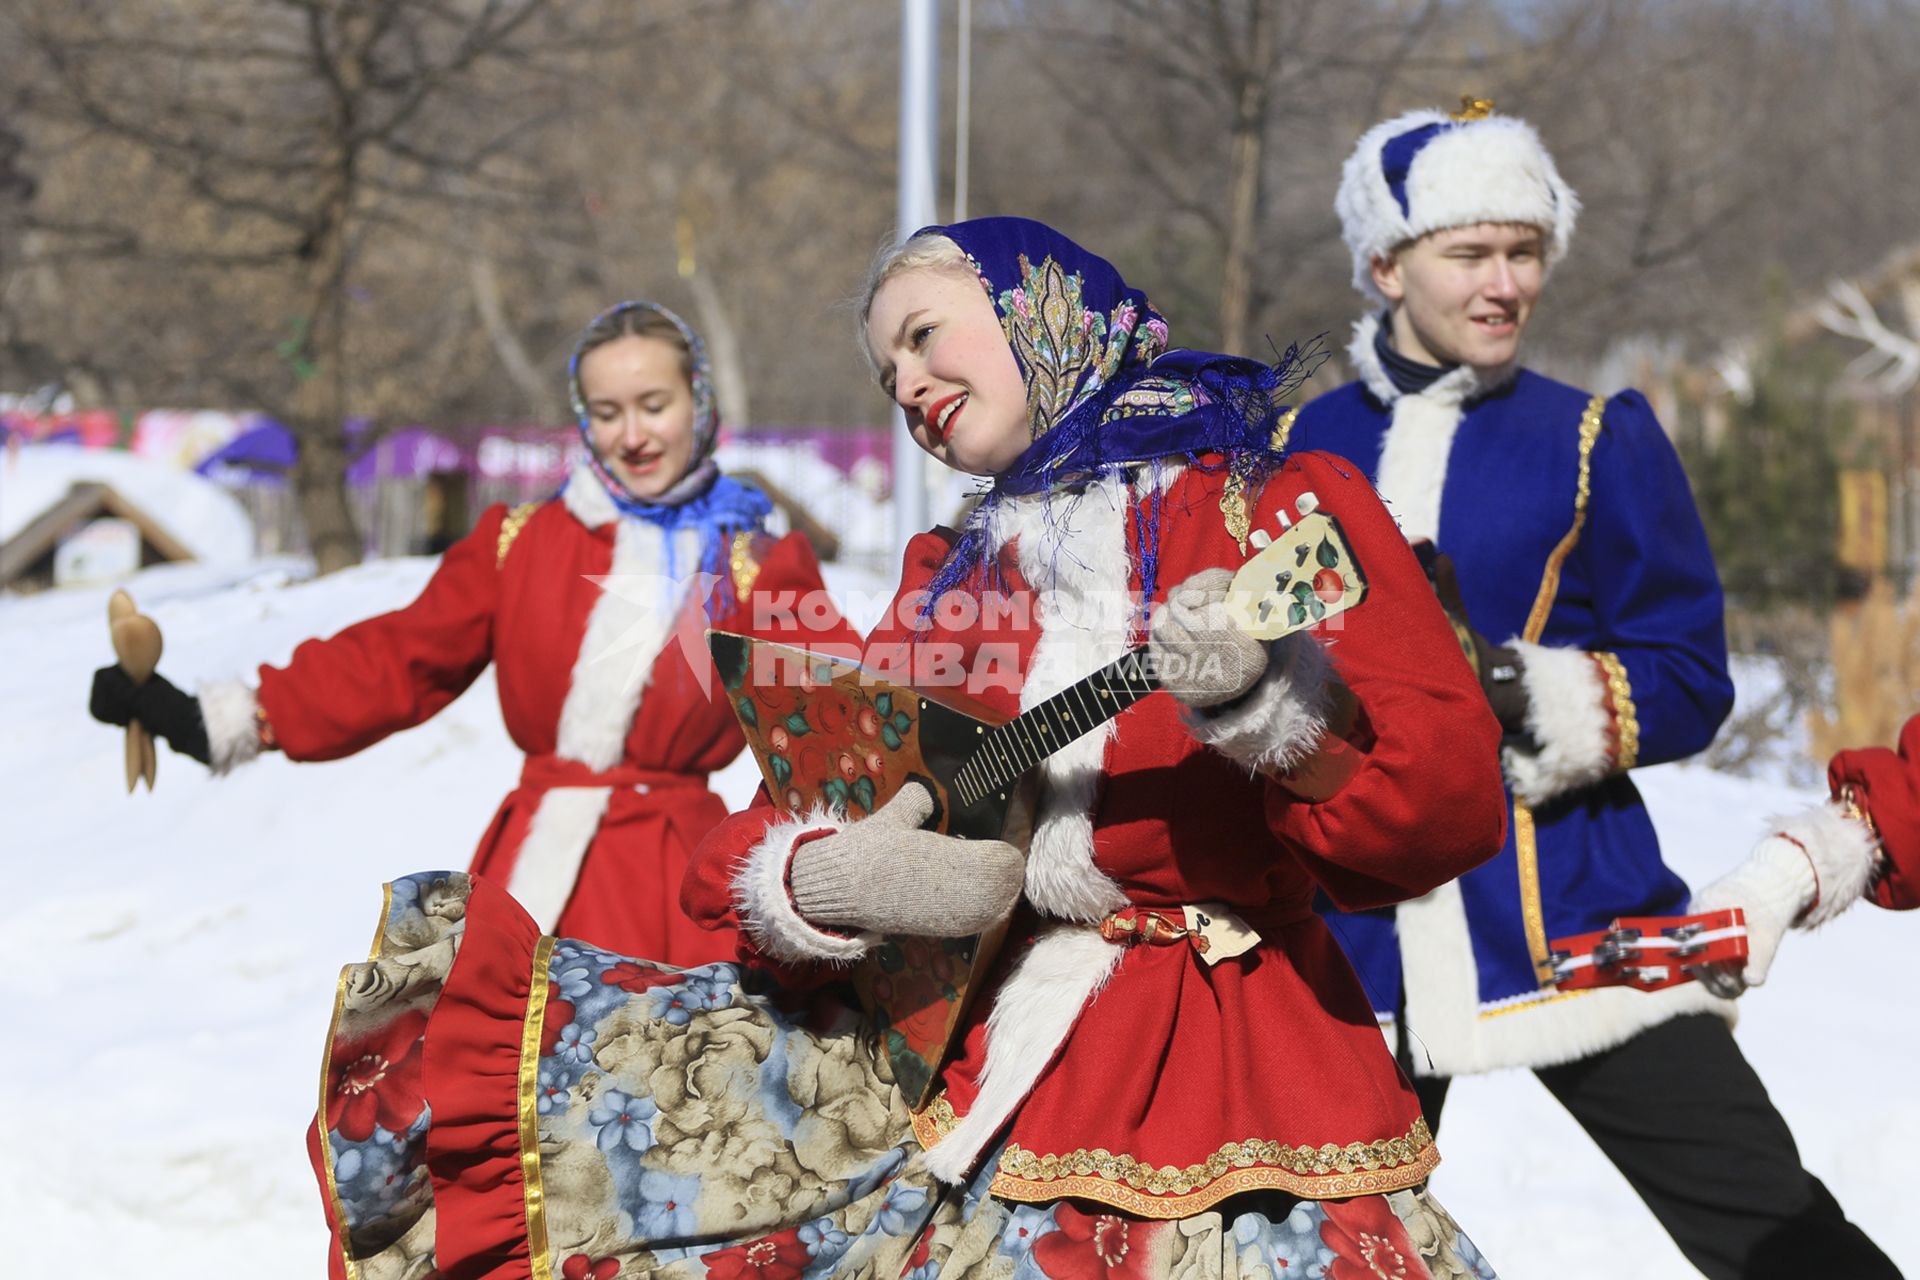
[1453, 390]
[1073, 556]
[587, 498]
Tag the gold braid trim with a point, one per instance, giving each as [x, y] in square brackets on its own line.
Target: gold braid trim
[1526, 849]
[743, 564]
[1533, 917]
[539, 1262]
[1284, 428]
[1166, 1191]
[1850, 806]
[1582, 493]
[1233, 494]
[510, 526]
[933, 1122]
[1626, 719]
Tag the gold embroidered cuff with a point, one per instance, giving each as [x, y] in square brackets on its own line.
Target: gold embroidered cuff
[1620, 709]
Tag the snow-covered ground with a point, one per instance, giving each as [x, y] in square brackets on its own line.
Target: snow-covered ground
[173, 956]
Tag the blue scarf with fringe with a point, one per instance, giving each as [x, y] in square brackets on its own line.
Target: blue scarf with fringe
[1104, 393]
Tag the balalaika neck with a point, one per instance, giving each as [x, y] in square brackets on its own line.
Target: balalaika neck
[1011, 749]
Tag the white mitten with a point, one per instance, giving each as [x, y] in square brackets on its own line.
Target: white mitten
[884, 873]
[1202, 658]
[1773, 886]
[1815, 865]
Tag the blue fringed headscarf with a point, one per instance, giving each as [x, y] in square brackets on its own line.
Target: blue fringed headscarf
[716, 505]
[1104, 394]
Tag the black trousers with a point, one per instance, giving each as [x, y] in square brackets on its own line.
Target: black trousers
[1681, 1113]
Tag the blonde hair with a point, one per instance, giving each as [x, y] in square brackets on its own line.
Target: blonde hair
[922, 251]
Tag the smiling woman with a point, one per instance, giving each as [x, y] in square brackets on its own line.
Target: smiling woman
[642, 409]
[939, 352]
[578, 602]
[1107, 1105]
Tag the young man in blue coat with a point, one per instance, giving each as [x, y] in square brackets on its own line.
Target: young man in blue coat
[1586, 597]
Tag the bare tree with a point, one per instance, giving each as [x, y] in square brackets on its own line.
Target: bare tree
[305, 154]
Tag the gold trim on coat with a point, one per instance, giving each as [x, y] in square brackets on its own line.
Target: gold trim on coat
[1233, 493]
[741, 562]
[1284, 428]
[1626, 718]
[540, 1263]
[1526, 849]
[1590, 419]
[1533, 915]
[510, 526]
[1166, 1191]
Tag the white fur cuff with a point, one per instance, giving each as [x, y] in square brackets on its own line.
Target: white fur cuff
[1567, 716]
[766, 908]
[1843, 853]
[233, 732]
[1280, 720]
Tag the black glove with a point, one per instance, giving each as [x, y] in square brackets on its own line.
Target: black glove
[1499, 667]
[164, 710]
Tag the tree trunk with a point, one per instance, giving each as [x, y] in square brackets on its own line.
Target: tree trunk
[320, 487]
[723, 350]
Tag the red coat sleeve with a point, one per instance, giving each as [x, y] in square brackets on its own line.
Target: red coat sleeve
[1886, 787]
[392, 672]
[1426, 803]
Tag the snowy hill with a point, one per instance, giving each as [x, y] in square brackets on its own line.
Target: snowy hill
[174, 958]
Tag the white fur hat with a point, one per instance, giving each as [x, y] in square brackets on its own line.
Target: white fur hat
[1427, 171]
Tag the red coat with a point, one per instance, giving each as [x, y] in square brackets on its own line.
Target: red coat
[613, 797]
[1142, 1077]
[1885, 786]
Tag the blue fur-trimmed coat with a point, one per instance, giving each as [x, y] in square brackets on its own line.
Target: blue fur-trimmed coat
[1616, 606]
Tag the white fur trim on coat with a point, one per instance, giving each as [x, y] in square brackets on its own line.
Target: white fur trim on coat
[1033, 1012]
[1412, 473]
[765, 906]
[1843, 852]
[1281, 719]
[587, 498]
[1453, 1034]
[629, 625]
[233, 732]
[1075, 559]
[547, 864]
[1490, 170]
[1568, 717]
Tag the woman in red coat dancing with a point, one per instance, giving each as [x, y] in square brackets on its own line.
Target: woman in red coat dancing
[591, 606]
[1138, 1091]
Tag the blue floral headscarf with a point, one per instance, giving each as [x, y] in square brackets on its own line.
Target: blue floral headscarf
[1104, 392]
[717, 505]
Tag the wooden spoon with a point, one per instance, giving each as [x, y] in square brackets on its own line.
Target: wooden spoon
[136, 643]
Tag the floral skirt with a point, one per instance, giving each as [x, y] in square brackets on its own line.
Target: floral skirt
[503, 1106]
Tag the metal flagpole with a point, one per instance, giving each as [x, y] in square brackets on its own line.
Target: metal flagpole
[962, 110]
[919, 116]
